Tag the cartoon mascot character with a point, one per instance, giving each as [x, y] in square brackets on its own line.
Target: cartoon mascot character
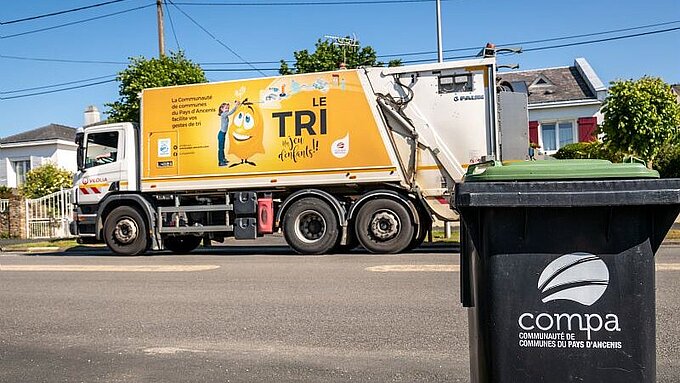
[246, 134]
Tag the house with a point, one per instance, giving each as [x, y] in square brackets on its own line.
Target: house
[675, 88]
[564, 103]
[25, 151]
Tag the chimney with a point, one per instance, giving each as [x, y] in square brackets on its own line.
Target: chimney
[91, 115]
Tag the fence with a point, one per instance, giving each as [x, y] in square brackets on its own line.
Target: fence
[49, 216]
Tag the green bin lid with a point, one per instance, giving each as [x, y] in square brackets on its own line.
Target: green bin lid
[556, 170]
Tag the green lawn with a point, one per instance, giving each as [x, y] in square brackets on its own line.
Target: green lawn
[61, 243]
[673, 234]
[438, 236]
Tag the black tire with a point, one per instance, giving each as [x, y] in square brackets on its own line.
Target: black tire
[182, 244]
[125, 231]
[310, 226]
[419, 237]
[384, 226]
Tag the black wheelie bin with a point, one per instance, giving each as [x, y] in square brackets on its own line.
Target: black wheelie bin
[557, 269]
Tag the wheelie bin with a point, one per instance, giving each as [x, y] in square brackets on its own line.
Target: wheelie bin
[557, 269]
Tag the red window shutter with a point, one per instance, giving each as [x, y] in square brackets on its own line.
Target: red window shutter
[533, 132]
[586, 129]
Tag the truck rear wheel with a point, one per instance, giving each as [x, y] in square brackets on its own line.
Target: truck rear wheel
[384, 226]
[182, 243]
[125, 231]
[310, 226]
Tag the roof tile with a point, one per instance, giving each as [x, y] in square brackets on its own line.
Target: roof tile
[567, 84]
[48, 132]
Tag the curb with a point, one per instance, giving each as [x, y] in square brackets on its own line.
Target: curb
[33, 249]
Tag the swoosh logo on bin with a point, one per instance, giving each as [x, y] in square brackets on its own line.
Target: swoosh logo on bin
[577, 277]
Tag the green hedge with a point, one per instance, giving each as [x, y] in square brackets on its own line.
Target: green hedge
[585, 150]
[667, 162]
[5, 192]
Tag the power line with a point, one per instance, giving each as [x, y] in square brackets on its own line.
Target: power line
[172, 25]
[70, 61]
[215, 38]
[260, 70]
[76, 22]
[58, 90]
[60, 12]
[528, 42]
[242, 70]
[57, 85]
[252, 62]
[306, 3]
[602, 40]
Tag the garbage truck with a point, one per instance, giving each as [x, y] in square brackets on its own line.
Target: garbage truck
[331, 160]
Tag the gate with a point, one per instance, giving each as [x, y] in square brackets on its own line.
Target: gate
[49, 216]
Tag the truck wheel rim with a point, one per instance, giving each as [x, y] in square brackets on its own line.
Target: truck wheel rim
[310, 226]
[385, 225]
[125, 231]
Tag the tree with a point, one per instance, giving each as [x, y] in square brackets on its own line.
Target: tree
[640, 117]
[142, 73]
[46, 179]
[328, 56]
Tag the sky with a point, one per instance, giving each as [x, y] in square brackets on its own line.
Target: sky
[35, 53]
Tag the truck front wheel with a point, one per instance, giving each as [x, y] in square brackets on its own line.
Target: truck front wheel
[310, 226]
[384, 226]
[125, 231]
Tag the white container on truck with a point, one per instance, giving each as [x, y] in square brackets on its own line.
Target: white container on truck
[333, 159]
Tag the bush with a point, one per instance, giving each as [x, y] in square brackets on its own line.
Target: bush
[5, 192]
[586, 150]
[46, 179]
[668, 161]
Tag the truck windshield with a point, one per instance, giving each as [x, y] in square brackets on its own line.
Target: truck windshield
[102, 148]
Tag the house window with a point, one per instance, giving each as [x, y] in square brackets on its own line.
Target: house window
[20, 169]
[556, 134]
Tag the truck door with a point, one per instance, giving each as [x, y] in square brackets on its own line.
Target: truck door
[103, 165]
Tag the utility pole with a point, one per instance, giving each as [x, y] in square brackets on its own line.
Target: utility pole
[161, 38]
[440, 52]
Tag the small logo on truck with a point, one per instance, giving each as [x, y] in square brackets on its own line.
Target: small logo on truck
[340, 148]
[164, 147]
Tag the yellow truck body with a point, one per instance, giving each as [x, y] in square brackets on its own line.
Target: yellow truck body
[304, 129]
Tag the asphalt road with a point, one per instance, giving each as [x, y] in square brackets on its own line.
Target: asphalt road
[243, 314]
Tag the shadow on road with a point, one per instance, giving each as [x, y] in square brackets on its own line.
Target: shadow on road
[238, 250]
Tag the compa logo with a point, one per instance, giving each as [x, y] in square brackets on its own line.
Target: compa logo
[578, 277]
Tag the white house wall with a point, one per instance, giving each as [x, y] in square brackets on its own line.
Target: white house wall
[61, 154]
[565, 113]
[3, 169]
[65, 157]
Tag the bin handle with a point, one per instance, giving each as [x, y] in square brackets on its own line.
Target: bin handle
[633, 160]
[472, 168]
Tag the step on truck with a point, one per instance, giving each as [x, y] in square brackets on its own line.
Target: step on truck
[332, 160]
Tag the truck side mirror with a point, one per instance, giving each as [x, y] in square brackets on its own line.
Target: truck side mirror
[80, 152]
